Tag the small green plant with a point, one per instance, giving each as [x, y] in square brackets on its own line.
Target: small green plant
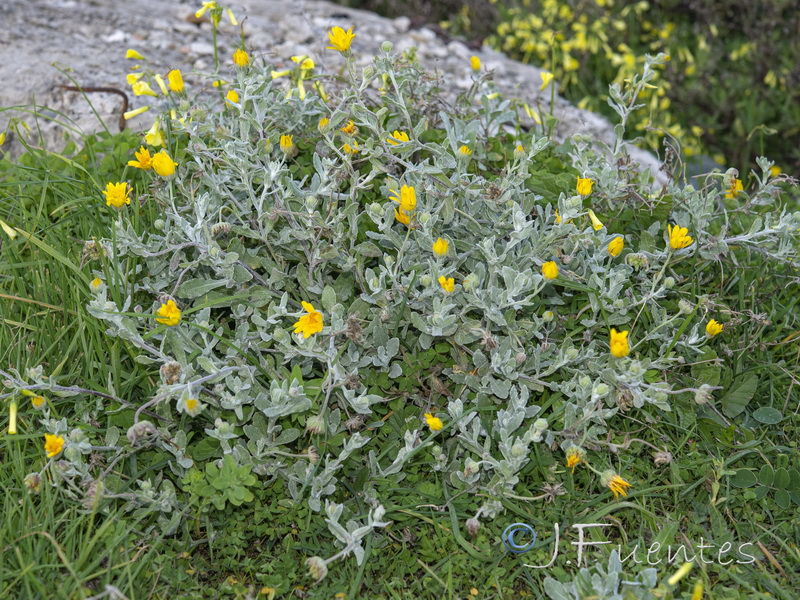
[220, 485]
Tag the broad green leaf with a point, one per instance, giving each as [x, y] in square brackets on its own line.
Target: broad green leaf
[744, 479]
[767, 415]
[739, 394]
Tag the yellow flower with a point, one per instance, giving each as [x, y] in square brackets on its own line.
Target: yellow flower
[241, 58]
[402, 217]
[117, 194]
[584, 187]
[397, 137]
[163, 164]
[532, 114]
[133, 54]
[713, 328]
[175, 79]
[681, 573]
[350, 128]
[153, 136]
[575, 456]
[161, 86]
[440, 247]
[132, 78]
[38, 401]
[464, 151]
[615, 483]
[547, 77]
[616, 245]
[340, 39]
[678, 237]
[142, 88]
[407, 199]
[550, 270]
[558, 217]
[2, 138]
[12, 418]
[206, 6]
[596, 224]
[96, 284]
[697, 591]
[310, 323]
[619, 343]
[435, 423]
[775, 170]
[143, 160]
[519, 150]
[735, 188]
[448, 285]
[287, 145]
[135, 113]
[169, 314]
[323, 124]
[232, 96]
[53, 445]
[193, 407]
[351, 149]
[475, 63]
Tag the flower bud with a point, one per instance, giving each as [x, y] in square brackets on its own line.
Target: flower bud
[311, 202]
[376, 209]
[315, 424]
[470, 467]
[600, 390]
[669, 282]
[472, 526]
[170, 372]
[33, 482]
[387, 47]
[424, 218]
[521, 357]
[540, 424]
[637, 261]
[72, 454]
[571, 354]
[685, 307]
[548, 316]
[518, 450]
[470, 281]
[159, 224]
[139, 430]
[367, 72]
[661, 458]
[584, 381]
[703, 394]
[426, 280]
[219, 230]
[317, 568]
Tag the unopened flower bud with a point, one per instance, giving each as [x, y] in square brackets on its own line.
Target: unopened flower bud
[470, 467]
[637, 261]
[424, 218]
[548, 316]
[159, 224]
[139, 430]
[367, 72]
[33, 482]
[426, 280]
[669, 282]
[518, 450]
[540, 424]
[521, 357]
[170, 372]
[584, 381]
[703, 394]
[685, 307]
[472, 526]
[387, 47]
[315, 424]
[600, 390]
[470, 281]
[317, 568]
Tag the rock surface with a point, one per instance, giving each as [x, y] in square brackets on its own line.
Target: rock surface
[48, 43]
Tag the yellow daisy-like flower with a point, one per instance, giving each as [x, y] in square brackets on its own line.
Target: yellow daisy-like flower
[435, 423]
[193, 407]
[241, 58]
[117, 194]
[575, 456]
[475, 63]
[163, 164]
[142, 88]
[340, 39]
[348, 149]
[618, 342]
[615, 483]
[38, 401]
[143, 159]
[678, 237]
[169, 314]
[407, 198]
[397, 137]
[550, 270]
[464, 151]
[232, 96]
[96, 284]
[584, 186]
[448, 284]
[402, 217]
[175, 79]
[53, 444]
[310, 323]
[349, 129]
[713, 328]
[616, 245]
[547, 77]
[440, 247]
[287, 145]
[735, 188]
[323, 124]
[775, 170]
[596, 223]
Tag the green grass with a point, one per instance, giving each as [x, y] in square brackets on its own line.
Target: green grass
[53, 546]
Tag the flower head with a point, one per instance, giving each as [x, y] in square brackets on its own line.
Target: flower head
[619, 343]
[448, 284]
[323, 124]
[340, 39]
[713, 328]
[348, 149]
[678, 237]
[550, 270]
[397, 137]
[407, 198]
[175, 79]
[616, 245]
[547, 77]
[163, 164]
[575, 456]
[440, 247]
[350, 128]
[464, 151]
[53, 444]
[736, 187]
[584, 186]
[143, 160]
[169, 313]
[153, 136]
[596, 223]
[475, 63]
[131, 53]
[241, 58]
[287, 145]
[232, 96]
[615, 483]
[193, 407]
[309, 323]
[142, 88]
[435, 423]
[775, 170]
[117, 194]
[402, 217]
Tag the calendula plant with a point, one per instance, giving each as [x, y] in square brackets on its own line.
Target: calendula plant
[341, 288]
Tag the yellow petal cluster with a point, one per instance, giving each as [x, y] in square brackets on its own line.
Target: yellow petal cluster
[309, 323]
[550, 270]
[584, 186]
[435, 423]
[678, 237]
[620, 347]
[340, 39]
[440, 247]
[53, 444]
[117, 194]
[713, 328]
[169, 314]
